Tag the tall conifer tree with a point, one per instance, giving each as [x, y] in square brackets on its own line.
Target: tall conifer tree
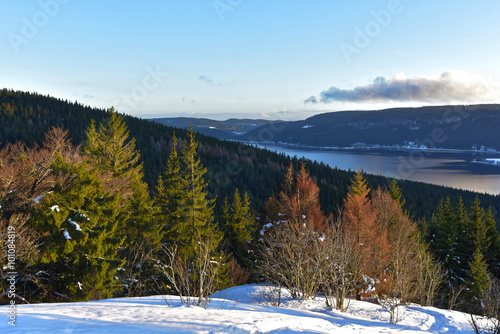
[492, 255]
[478, 279]
[197, 211]
[237, 225]
[395, 192]
[443, 236]
[115, 156]
[465, 246]
[79, 221]
[110, 148]
[298, 201]
[478, 228]
[170, 200]
[359, 218]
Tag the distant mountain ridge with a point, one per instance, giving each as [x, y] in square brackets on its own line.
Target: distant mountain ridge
[227, 129]
[472, 127]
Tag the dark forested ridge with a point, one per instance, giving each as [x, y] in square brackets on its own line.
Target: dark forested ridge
[228, 129]
[449, 127]
[27, 117]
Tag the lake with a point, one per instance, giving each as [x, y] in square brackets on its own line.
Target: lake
[448, 168]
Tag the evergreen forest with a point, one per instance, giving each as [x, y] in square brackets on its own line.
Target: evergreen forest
[98, 204]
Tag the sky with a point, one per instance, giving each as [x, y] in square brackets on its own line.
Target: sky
[280, 60]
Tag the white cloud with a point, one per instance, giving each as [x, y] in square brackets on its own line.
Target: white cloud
[449, 86]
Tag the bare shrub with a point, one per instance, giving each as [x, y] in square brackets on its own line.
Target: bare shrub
[192, 277]
[430, 275]
[287, 259]
[489, 323]
[305, 262]
[395, 308]
[271, 295]
[134, 274]
[453, 296]
[341, 265]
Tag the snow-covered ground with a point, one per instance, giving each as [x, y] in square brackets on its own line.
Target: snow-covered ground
[235, 310]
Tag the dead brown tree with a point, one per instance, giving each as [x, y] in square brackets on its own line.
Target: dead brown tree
[26, 176]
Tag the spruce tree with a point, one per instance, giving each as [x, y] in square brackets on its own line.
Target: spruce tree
[237, 224]
[465, 246]
[115, 156]
[170, 197]
[478, 228]
[492, 256]
[79, 221]
[197, 210]
[247, 217]
[358, 185]
[185, 213]
[226, 217]
[110, 149]
[198, 237]
[443, 239]
[478, 280]
[395, 192]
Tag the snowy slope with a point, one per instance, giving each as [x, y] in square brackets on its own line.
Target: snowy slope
[236, 310]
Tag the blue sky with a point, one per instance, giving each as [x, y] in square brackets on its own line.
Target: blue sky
[259, 59]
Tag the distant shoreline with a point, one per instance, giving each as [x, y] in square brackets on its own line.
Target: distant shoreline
[400, 148]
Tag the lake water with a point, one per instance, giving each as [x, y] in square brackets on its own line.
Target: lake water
[447, 168]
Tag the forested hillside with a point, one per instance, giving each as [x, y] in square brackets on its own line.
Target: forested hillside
[27, 116]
